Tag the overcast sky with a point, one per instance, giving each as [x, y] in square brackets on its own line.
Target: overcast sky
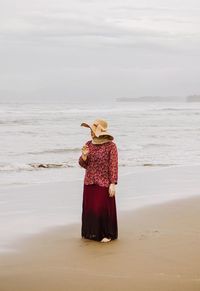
[82, 49]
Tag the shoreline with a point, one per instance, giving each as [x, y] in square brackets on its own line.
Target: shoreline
[157, 249]
[32, 209]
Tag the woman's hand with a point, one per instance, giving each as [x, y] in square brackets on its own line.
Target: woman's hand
[85, 151]
[112, 190]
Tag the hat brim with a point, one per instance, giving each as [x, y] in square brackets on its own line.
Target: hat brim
[84, 124]
[106, 134]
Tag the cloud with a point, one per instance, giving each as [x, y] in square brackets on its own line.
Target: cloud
[58, 42]
[83, 28]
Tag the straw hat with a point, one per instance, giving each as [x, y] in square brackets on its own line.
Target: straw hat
[99, 127]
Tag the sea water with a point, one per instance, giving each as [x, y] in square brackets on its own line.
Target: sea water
[41, 181]
[42, 142]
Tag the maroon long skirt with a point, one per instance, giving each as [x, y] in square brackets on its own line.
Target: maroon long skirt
[99, 215]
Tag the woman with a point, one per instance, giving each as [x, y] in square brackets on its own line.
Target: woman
[100, 160]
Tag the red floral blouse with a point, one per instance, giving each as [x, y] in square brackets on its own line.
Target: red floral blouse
[101, 164]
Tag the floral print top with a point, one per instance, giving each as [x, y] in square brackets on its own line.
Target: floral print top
[101, 164]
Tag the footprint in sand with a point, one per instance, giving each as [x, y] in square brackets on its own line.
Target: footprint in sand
[148, 232]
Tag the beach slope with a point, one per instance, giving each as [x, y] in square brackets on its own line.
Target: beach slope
[158, 249]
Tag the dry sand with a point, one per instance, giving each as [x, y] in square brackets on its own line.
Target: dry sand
[158, 249]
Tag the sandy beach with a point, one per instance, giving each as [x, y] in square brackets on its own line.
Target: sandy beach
[72, 73]
[158, 249]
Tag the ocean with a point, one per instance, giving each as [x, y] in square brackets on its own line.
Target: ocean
[42, 142]
[41, 182]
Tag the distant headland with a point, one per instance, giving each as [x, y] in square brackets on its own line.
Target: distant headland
[191, 98]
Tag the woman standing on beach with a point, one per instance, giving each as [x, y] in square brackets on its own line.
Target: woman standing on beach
[100, 159]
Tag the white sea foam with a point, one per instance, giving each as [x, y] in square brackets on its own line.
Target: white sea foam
[15, 167]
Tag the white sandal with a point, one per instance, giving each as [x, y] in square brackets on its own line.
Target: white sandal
[105, 239]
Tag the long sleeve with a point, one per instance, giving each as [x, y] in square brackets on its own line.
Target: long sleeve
[83, 163]
[113, 165]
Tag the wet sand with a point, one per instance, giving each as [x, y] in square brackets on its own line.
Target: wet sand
[158, 249]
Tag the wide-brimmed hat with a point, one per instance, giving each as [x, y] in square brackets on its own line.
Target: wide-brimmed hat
[99, 127]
